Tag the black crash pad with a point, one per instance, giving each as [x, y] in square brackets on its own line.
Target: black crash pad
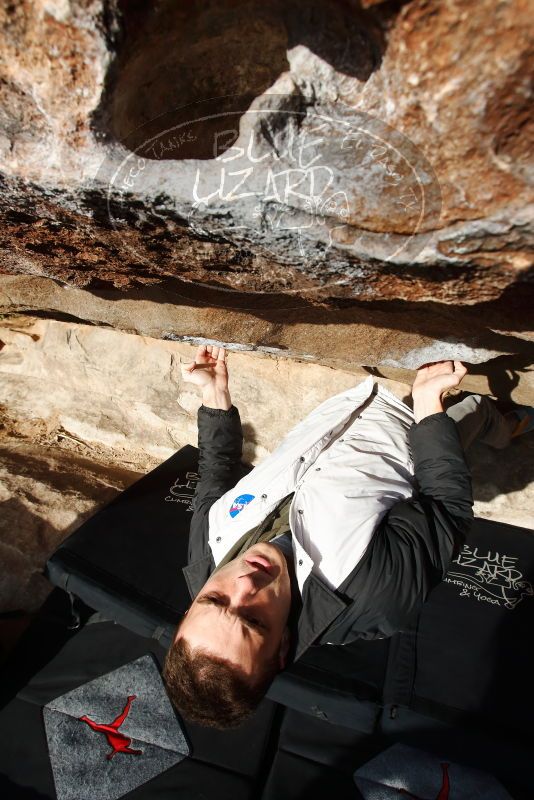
[465, 661]
[221, 764]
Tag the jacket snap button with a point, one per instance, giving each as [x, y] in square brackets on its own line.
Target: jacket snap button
[264, 496]
[317, 469]
[341, 440]
[302, 458]
[218, 539]
[301, 562]
[301, 511]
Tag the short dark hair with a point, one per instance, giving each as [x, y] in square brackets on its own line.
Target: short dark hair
[212, 691]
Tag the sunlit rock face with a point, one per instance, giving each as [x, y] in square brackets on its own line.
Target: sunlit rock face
[303, 148]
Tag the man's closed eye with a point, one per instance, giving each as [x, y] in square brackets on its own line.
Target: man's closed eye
[249, 620]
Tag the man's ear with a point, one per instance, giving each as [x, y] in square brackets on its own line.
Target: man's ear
[284, 648]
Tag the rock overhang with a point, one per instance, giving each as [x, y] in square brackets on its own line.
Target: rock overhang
[338, 125]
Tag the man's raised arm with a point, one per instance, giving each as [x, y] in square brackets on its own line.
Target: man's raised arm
[220, 439]
[422, 535]
[417, 539]
[440, 468]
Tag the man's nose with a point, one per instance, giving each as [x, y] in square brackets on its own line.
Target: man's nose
[249, 584]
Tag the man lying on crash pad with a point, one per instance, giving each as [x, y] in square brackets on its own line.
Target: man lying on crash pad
[339, 534]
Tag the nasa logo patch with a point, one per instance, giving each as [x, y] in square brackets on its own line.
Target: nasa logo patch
[240, 503]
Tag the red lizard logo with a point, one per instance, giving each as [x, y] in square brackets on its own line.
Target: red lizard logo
[118, 741]
[443, 793]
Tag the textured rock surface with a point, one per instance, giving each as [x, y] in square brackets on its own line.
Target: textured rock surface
[121, 396]
[377, 153]
[392, 337]
[45, 493]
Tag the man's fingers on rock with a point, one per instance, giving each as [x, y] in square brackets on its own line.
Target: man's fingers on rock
[222, 354]
[452, 381]
[436, 366]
